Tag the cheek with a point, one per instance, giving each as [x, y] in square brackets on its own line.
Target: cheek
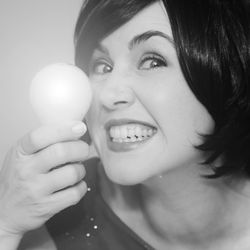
[186, 120]
[92, 117]
[95, 105]
[176, 111]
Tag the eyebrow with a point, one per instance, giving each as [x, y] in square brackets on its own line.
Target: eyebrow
[148, 34]
[140, 39]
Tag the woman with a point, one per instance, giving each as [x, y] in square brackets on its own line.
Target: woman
[170, 121]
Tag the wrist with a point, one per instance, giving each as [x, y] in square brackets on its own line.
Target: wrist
[9, 241]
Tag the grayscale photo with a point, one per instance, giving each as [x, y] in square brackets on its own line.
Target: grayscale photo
[125, 125]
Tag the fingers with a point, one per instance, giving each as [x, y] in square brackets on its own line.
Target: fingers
[59, 154]
[63, 177]
[50, 134]
[65, 198]
[35, 180]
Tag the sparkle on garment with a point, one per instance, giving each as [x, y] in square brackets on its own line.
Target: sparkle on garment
[91, 224]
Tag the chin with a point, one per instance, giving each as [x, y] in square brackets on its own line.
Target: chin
[132, 170]
[125, 173]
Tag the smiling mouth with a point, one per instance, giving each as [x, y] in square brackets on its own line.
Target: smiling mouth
[130, 133]
[126, 135]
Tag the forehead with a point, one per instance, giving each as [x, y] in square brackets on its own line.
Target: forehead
[153, 17]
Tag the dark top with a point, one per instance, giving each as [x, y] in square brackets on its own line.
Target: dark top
[91, 224]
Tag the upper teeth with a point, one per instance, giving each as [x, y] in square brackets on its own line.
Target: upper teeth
[130, 132]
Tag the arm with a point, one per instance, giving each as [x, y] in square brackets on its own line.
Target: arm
[9, 241]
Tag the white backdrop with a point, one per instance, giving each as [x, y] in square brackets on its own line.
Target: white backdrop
[33, 33]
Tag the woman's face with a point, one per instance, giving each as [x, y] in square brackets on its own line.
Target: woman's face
[144, 119]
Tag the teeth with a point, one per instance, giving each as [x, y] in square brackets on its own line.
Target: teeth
[138, 131]
[130, 133]
[150, 132]
[123, 132]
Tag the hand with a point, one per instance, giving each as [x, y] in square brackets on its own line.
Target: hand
[41, 176]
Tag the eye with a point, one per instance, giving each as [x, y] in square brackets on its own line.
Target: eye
[100, 67]
[152, 61]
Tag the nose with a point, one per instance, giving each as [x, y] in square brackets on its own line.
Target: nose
[116, 94]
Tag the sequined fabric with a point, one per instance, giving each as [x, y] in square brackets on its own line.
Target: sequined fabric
[91, 224]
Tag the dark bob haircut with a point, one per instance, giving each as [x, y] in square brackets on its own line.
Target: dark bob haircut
[213, 47]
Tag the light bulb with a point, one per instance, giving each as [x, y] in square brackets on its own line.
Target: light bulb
[60, 92]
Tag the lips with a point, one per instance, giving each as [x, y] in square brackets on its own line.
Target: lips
[125, 135]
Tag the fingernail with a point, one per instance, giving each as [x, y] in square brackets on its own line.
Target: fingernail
[79, 128]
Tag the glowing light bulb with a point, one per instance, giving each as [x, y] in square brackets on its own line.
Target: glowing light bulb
[60, 92]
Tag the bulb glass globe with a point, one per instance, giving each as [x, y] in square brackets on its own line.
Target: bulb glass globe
[60, 92]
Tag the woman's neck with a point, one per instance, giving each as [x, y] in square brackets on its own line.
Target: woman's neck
[184, 209]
